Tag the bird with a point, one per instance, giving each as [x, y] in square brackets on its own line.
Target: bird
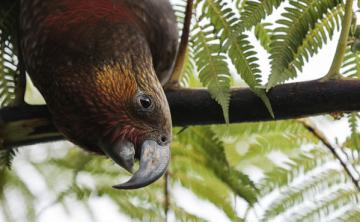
[101, 66]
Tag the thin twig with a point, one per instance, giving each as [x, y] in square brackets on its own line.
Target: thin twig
[167, 195]
[309, 125]
[247, 212]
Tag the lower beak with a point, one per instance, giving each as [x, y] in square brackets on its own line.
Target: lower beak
[154, 160]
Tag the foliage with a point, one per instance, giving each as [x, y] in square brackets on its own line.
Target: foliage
[8, 51]
[279, 170]
[263, 34]
[214, 72]
[8, 74]
[302, 30]
[252, 12]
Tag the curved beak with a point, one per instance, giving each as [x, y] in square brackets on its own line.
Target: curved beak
[154, 160]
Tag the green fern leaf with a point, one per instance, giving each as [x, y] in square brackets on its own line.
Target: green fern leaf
[263, 34]
[351, 215]
[6, 157]
[8, 63]
[353, 141]
[204, 140]
[325, 208]
[302, 31]
[295, 196]
[183, 215]
[252, 12]
[213, 69]
[8, 72]
[242, 54]
[351, 63]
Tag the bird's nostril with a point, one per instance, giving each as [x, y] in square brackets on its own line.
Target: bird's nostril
[163, 139]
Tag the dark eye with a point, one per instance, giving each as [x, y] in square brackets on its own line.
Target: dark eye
[145, 102]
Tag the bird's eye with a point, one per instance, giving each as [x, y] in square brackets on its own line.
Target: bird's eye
[145, 102]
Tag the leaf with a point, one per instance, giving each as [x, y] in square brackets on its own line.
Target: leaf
[213, 69]
[252, 12]
[263, 34]
[8, 65]
[351, 63]
[353, 141]
[227, 29]
[208, 145]
[303, 29]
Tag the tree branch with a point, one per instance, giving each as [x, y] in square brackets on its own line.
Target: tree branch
[348, 168]
[32, 124]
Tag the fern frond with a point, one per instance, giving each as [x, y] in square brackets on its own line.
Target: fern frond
[9, 182]
[8, 51]
[294, 196]
[260, 139]
[263, 34]
[8, 64]
[351, 63]
[354, 141]
[212, 192]
[226, 25]
[252, 12]
[280, 176]
[182, 215]
[240, 51]
[6, 156]
[212, 66]
[205, 142]
[351, 215]
[8, 72]
[303, 29]
[246, 130]
[325, 207]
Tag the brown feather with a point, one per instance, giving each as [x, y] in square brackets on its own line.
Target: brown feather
[90, 68]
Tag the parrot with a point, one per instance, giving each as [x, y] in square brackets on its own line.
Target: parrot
[101, 66]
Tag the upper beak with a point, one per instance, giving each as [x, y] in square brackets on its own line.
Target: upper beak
[154, 160]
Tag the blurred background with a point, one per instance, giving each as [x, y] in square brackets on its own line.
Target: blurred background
[266, 171]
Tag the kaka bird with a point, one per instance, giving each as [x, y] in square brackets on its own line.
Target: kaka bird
[100, 66]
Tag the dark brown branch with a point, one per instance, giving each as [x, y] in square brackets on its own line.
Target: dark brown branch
[32, 124]
[320, 135]
[295, 100]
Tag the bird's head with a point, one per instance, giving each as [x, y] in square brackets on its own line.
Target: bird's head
[120, 109]
[93, 61]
